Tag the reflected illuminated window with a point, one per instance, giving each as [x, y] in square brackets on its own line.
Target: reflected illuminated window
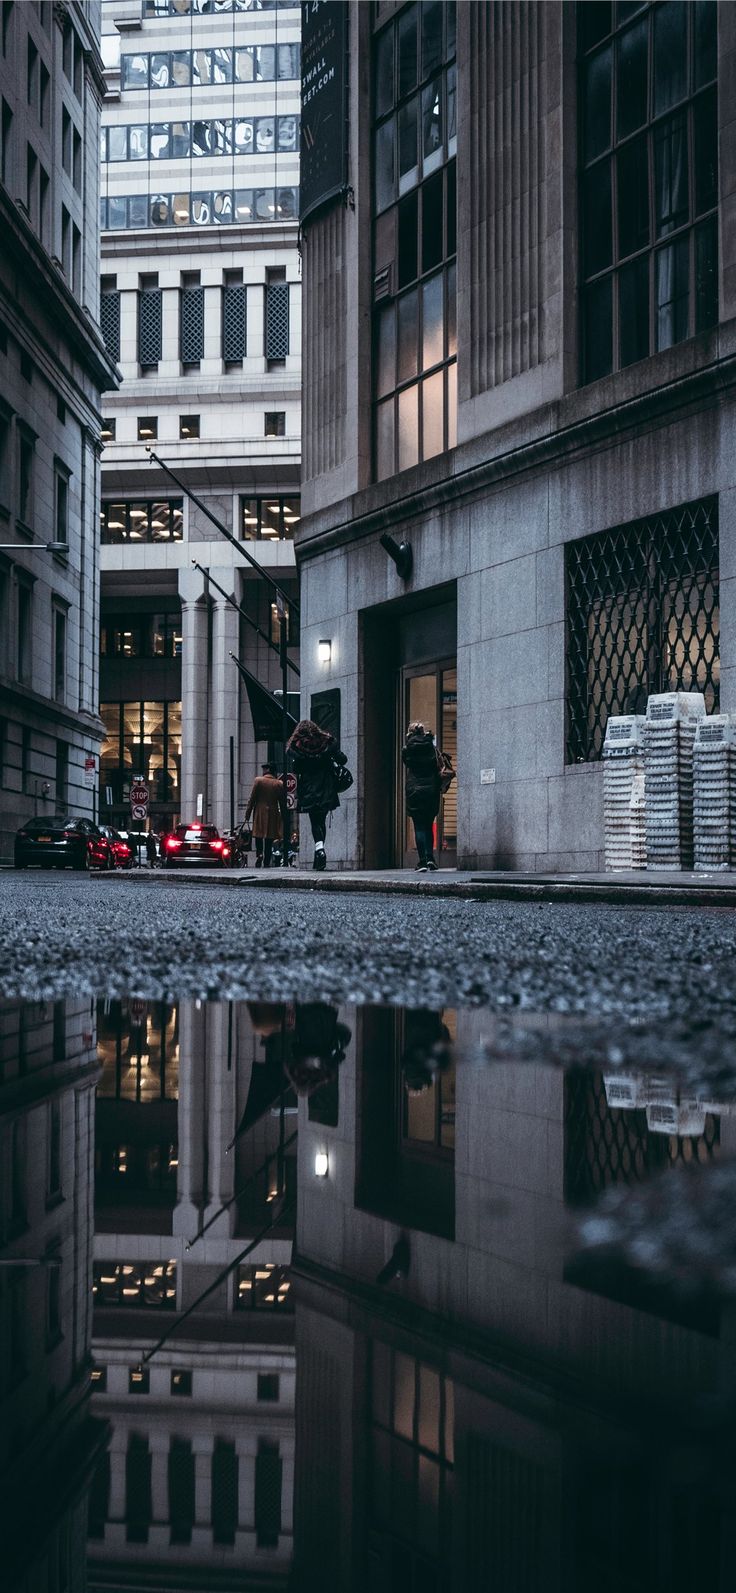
[411, 1459]
[135, 1284]
[138, 1051]
[264, 1288]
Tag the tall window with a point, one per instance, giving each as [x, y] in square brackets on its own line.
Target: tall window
[142, 738]
[273, 517]
[414, 237]
[26, 447]
[143, 520]
[59, 654]
[649, 179]
[24, 631]
[641, 616]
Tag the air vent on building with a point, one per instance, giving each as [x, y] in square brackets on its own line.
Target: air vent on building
[234, 302]
[191, 327]
[277, 320]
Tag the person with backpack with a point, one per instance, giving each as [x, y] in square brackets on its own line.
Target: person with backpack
[423, 767]
[320, 771]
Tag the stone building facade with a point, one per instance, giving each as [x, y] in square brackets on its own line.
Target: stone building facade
[54, 367]
[526, 372]
[201, 308]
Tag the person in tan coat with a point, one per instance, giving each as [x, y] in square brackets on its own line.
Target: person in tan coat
[264, 813]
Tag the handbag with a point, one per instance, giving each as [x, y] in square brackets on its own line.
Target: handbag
[343, 778]
[447, 773]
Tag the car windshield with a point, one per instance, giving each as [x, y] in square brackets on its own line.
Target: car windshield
[195, 832]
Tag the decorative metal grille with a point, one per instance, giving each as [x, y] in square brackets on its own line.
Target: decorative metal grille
[181, 1490]
[110, 323]
[607, 1145]
[149, 327]
[268, 1494]
[277, 320]
[191, 326]
[642, 616]
[224, 1492]
[234, 304]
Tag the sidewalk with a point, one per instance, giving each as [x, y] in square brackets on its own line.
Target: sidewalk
[637, 888]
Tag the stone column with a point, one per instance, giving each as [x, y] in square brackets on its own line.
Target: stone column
[129, 334]
[211, 365]
[169, 364]
[118, 1451]
[202, 1447]
[224, 712]
[195, 674]
[189, 1121]
[247, 1449]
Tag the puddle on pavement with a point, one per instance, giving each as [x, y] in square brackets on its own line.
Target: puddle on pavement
[354, 1298]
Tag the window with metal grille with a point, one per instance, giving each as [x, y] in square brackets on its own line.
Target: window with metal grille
[607, 1145]
[224, 1492]
[149, 327]
[268, 1494]
[649, 179]
[641, 616]
[277, 320]
[234, 322]
[181, 1490]
[110, 322]
[191, 326]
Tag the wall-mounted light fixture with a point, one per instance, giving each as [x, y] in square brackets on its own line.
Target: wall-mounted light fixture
[321, 1164]
[324, 651]
[401, 554]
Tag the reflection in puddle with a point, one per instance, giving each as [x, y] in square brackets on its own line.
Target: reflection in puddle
[375, 1298]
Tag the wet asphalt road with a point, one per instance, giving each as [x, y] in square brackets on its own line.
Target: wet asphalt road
[70, 935]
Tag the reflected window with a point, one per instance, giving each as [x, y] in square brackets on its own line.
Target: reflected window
[264, 1288]
[135, 1285]
[411, 1459]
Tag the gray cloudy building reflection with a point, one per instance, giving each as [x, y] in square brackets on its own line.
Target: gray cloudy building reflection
[440, 1388]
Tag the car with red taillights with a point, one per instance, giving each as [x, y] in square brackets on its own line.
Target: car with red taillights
[122, 853]
[58, 841]
[195, 843]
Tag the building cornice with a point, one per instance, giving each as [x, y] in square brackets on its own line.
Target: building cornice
[58, 714]
[46, 282]
[547, 438]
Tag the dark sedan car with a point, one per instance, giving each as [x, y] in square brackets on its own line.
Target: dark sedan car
[195, 843]
[57, 841]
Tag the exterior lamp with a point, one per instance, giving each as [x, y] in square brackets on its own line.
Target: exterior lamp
[324, 651]
[60, 548]
[321, 1164]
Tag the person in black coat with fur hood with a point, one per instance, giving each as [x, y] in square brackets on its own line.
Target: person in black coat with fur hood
[314, 754]
[423, 789]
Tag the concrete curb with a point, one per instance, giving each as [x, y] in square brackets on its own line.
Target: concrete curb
[603, 890]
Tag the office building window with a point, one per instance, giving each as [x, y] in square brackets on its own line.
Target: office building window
[143, 520]
[142, 738]
[26, 450]
[141, 635]
[649, 179]
[274, 423]
[221, 207]
[266, 1287]
[277, 318]
[25, 759]
[110, 317]
[149, 323]
[60, 628]
[181, 1490]
[269, 1470]
[53, 1159]
[164, 69]
[62, 774]
[234, 318]
[641, 616]
[5, 433]
[24, 635]
[139, 1380]
[181, 1382]
[108, 429]
[268, 1387]
[32, 185]
[224, 1492]
[274, 518]
[191, 320]
[61, 489]
[7, 142]
[147, 428]
[53, 1303]
[188, 427]
[414, 238]
[138, 1496]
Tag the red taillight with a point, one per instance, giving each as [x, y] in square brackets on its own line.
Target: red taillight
[69, 835]
[171, 843]
[217, 846]
[226, 851]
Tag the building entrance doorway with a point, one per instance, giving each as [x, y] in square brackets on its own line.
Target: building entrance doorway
[429, 693]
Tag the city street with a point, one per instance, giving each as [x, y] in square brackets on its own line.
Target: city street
[66, 935]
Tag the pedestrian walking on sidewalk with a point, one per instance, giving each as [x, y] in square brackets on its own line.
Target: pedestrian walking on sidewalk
[423, 789]
[264, 813]
[315, 755]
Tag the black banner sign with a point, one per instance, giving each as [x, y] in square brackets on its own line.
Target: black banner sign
[323, 157]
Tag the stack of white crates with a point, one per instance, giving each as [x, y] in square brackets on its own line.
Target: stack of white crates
[712, 795]
[623, 793]
[669, 741]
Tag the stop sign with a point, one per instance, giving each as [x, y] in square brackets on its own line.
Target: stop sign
[291, 790]
[139, 794]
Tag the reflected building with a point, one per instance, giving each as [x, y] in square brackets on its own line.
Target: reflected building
[195, 1126]
[50, 1443]
[501, 1414]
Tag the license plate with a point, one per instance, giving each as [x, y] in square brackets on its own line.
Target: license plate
[43, 837]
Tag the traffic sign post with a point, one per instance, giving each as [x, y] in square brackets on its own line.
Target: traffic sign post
[139, 798]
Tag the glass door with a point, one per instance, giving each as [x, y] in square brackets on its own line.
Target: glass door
[429, 694]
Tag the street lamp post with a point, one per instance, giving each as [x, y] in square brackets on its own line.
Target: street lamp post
[59, 548]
